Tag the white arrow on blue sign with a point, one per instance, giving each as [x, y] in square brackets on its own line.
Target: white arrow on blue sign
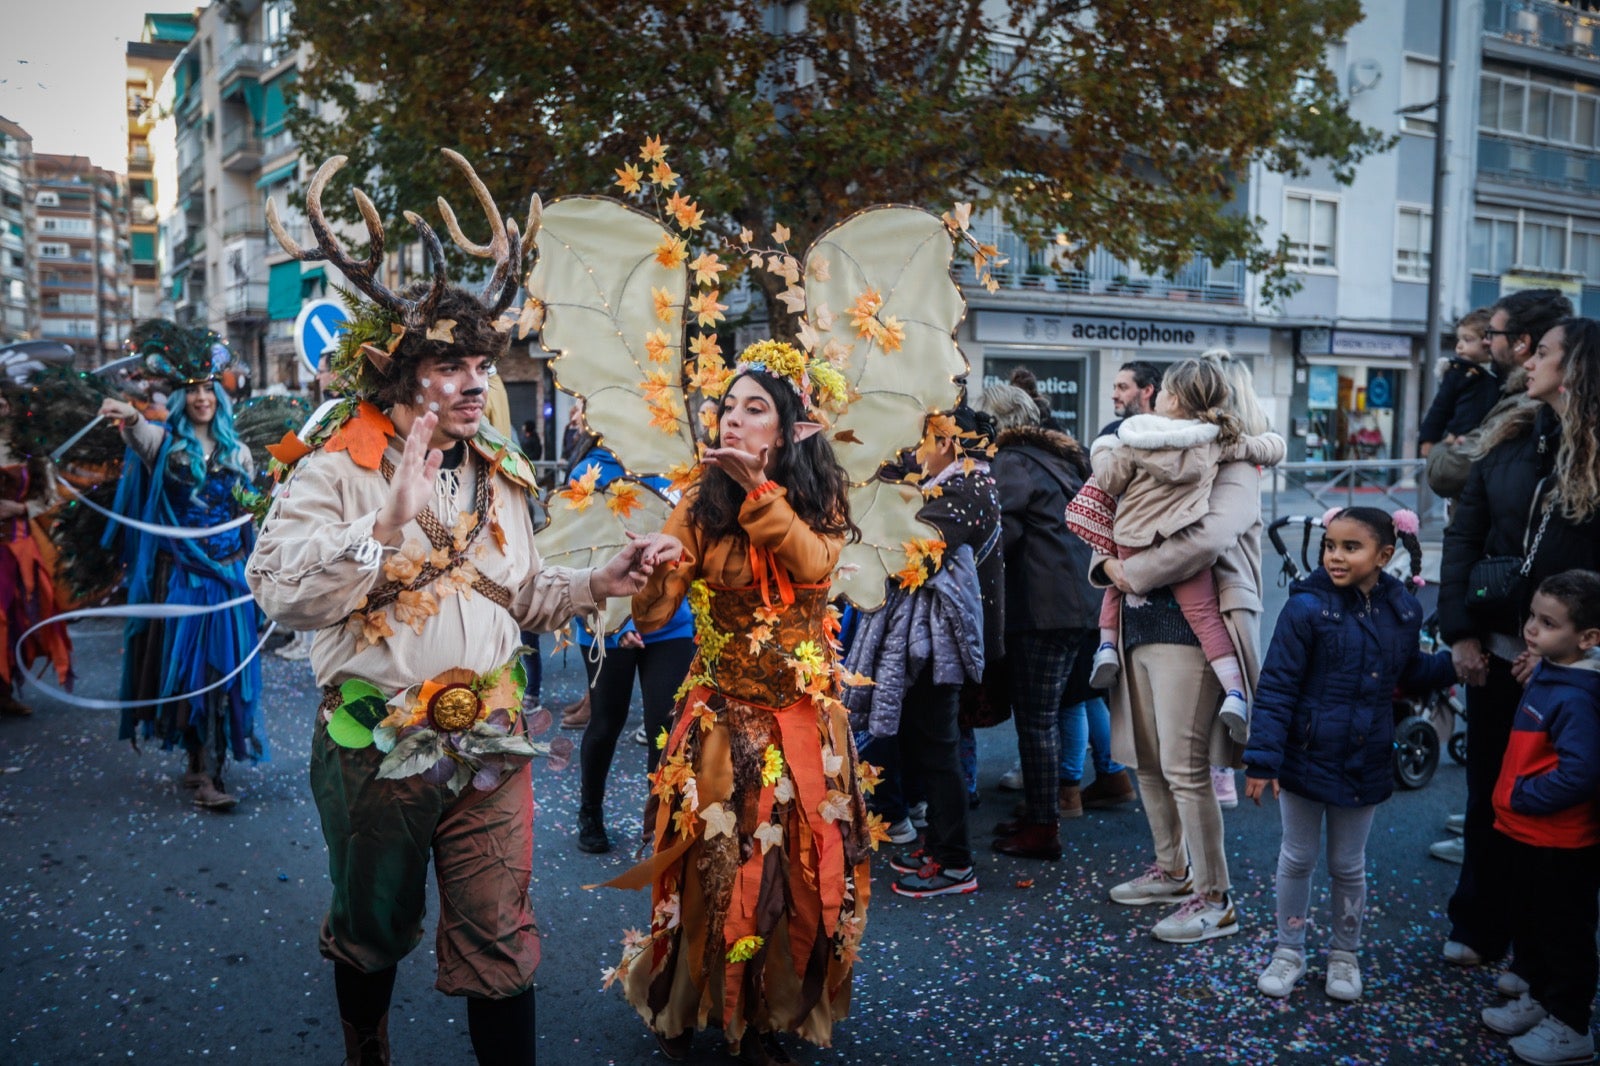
[317, 329]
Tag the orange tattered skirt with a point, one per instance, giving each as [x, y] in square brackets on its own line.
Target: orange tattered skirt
[28, 597]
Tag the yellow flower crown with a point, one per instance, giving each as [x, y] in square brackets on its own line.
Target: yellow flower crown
[818, 382]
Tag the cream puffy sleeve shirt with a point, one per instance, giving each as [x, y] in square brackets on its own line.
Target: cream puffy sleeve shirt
[313, 565]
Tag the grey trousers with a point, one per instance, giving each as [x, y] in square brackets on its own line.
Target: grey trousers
[1347, 868]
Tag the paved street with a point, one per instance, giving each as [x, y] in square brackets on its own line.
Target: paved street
[138, 929]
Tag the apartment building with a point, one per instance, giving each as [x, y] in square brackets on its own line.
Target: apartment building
[147, 61]
[80, 251]
[19, 300]
[1344, 365]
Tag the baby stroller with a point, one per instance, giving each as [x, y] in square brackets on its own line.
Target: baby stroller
[1419, 723]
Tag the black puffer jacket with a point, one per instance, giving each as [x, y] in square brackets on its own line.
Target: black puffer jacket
[1491, 518]
[967, 511]
[1038, 472]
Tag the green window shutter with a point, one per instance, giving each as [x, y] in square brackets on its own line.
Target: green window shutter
[313, 283]
[283, 291]
[272, 177]
[143, 249]
[275, 108]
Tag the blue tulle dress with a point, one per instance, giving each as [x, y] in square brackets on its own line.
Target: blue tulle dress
[178, 655]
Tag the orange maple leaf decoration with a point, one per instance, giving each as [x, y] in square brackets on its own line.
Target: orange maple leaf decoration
[672, 252]
[581, 494]
[664, 416]
[364, 437]
[653, 151]
[290, 450]
[681, 475]
[622, 499]
[706, 309]
[861, 313]
[657, 386]
[629, 177]
[658, 346]
[705, 345]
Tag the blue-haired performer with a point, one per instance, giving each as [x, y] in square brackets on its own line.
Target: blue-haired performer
[183, 473]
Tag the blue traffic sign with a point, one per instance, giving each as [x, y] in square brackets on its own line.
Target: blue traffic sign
[317, 329]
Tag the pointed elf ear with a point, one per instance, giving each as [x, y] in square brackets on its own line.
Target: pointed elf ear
[381, 360]
[803, 430]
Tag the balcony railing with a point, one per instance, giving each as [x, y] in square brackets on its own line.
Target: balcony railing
[1099, 273]
[242, 57]
[280, 143]
[1543, 24]
[241, 148]
[248, 300]
[1538, 164]
[243, 220]
[191, 175]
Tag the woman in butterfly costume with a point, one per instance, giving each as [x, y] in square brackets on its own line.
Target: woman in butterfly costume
[760, 837]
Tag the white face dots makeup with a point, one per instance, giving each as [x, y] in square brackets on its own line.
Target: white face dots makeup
[449, 388]
[426, 382]
[421, 399]
[433, 407]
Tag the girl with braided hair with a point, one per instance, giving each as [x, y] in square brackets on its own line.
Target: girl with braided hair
[1323, 729]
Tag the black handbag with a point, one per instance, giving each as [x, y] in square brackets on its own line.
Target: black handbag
[1500, 582]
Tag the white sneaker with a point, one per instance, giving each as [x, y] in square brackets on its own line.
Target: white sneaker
[1282, 973]
[1235, 714]
[1456, 823]
[919, 815]
[1011, 780]
[1103, 672]
[1510, 985]
[902, 832]
[1344, 977]
[1517, 1016]
[1457, 952]
[1453, 849]
[1226, 788]
[1198, 919]
[1552, 1043]
[1153, 886]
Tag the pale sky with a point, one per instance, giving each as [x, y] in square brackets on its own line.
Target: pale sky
[61, 72]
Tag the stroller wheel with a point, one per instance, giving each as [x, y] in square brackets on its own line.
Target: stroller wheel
[1416, 752]
[1458, 748]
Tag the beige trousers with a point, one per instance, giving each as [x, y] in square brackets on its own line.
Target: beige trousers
[1173, 695]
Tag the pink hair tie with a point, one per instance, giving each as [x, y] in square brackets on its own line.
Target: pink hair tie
[1418, 580]
[1330, 514]
[1406, 521]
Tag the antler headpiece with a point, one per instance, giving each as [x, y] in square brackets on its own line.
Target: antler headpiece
[402, 323]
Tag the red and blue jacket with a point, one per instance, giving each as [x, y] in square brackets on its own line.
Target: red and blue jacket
[1548, 794]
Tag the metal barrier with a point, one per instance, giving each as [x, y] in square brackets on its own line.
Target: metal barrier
[1312, 488]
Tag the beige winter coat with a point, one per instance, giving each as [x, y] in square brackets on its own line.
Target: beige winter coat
[1161, 470]
[1227, 538]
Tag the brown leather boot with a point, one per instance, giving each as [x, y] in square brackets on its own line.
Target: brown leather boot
[196, 775]
[209, 797]
[1109, 790]
[370, 1049]
[1070, 801]
[11, 707]
[1032, 842]
[576, 715]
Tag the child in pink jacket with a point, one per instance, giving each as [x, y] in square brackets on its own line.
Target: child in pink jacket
[1161, 468]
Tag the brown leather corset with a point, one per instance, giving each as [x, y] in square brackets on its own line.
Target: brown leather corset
[762, 671]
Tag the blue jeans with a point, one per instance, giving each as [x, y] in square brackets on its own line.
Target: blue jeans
[1088, 725]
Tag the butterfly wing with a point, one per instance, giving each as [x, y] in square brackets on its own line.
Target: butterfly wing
[588, 527]
[904, 361]
[614, 312]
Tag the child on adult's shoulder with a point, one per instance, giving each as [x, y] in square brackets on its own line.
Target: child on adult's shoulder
[1467, 386]
[1545, 802]
[1322, 728]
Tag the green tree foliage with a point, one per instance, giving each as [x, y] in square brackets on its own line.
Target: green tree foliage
[1122, 124]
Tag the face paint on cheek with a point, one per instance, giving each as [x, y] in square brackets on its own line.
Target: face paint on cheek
[449, 388]
[426, 382]
[434, 407]
[421, 399]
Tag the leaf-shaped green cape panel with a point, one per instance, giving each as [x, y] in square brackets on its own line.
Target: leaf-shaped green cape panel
[887, 514]
[903, 255]
[595, 275]
[589, 536]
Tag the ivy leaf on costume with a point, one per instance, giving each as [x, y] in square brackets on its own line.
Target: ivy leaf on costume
[413, 754]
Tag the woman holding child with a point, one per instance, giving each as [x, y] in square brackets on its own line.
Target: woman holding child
[1165, 701]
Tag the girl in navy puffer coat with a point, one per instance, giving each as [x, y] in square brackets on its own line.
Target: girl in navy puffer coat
[1323, 726]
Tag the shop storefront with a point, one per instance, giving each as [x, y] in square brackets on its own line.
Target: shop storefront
[1075, 357]
[1352, 395]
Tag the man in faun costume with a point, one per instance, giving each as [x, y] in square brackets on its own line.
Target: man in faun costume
[402, 537]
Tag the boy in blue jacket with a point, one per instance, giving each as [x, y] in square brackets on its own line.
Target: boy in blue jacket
[1545, 801]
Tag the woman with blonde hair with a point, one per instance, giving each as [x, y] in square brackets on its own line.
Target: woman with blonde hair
[1533, 497]
[1164, 704]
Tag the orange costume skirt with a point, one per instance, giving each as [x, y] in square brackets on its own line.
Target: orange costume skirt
[759, 879]
[28, 597]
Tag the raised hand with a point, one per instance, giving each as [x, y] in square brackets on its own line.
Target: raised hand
[122, 412]
[412, 485]
[749, 469]
[623, 574]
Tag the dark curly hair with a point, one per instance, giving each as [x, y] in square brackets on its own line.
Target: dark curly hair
[474, 334]
[1382, 526]
[815, 482]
